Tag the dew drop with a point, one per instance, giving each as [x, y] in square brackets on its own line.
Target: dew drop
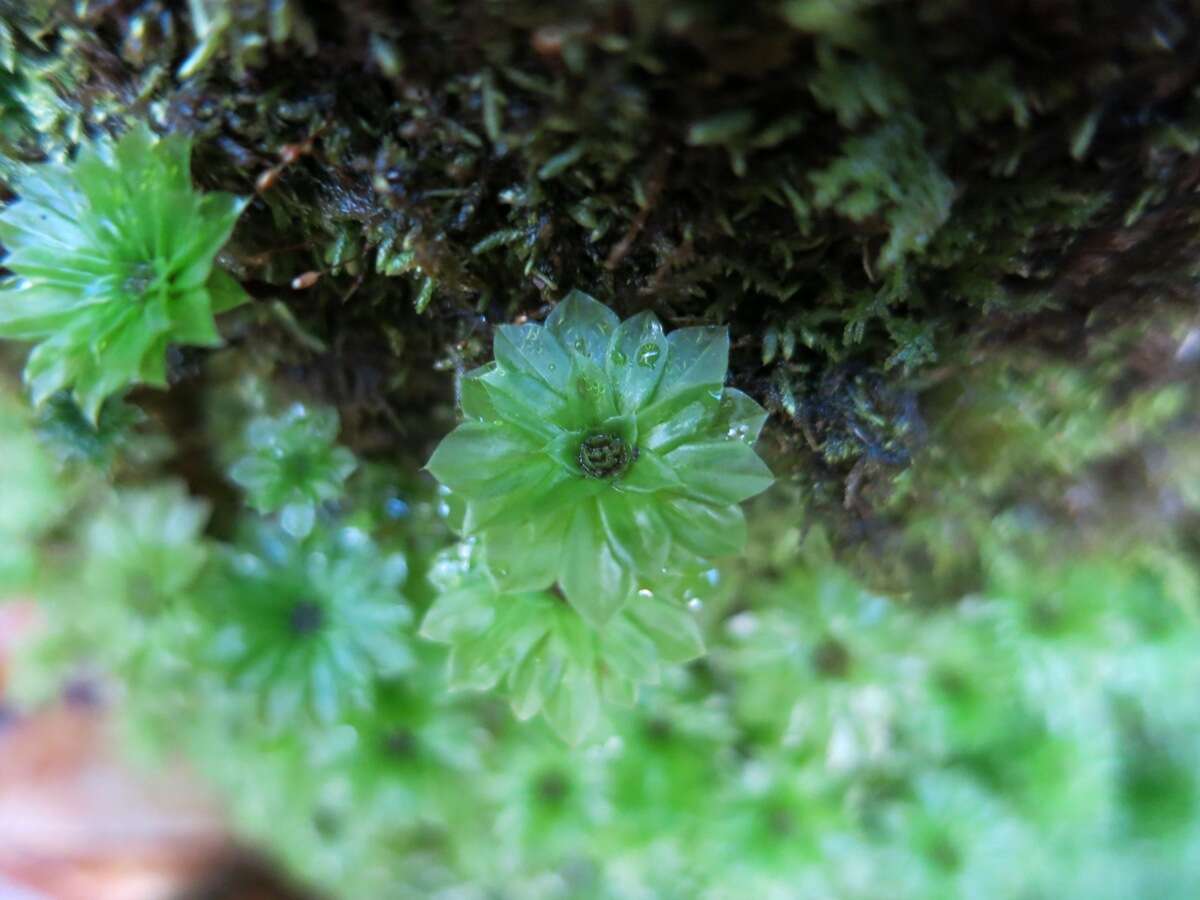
[646, 592]
[743, 625]
[648, 355]
[619, 358]
[695, 604]
[581, 345]
[395, 508]
[353, 537]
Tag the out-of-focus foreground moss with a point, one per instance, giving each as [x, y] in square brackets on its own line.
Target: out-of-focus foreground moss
[1024, 697]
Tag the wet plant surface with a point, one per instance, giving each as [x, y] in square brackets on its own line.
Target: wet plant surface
[914, 282]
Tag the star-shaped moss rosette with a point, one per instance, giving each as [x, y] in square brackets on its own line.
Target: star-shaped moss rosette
[132, 611]
[124, 604]
[113, 261]
[396, 755]
[304, 628]
[543, 653]
[293, 464]
[599, 454]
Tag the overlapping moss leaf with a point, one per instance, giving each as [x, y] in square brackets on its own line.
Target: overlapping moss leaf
[113, 261]
[544, 654]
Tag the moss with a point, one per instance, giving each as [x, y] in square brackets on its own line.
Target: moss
[867, 193]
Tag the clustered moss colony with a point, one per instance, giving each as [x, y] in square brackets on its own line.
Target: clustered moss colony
[600, 462]
[865, 192]
[953, 244]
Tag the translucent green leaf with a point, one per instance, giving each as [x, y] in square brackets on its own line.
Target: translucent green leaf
[574, 708]
[593, 579]
[526, 403]
[705, 529]
[479, 662]
[476, 664]
[637, 359]
[739, 416]
[629, 651]
[298, 518]
[534, 350]
[291, 463]
[213, 222]
[133, 152]
[527, 557]
[591, 393]
[49, 369]
[648, 474]
[618, 690]
[473, 395]
[192, 319]
[460, 612]
[637, 536]
[531, 492]
[481, 456]
[670, 626]
[29, 310]
[664, 426]
[153, 370]
[698, 358]
[583, 325]
[726, 471]
[226, 293]
[534, 679]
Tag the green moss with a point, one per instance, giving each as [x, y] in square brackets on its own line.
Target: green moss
[859, 184]
[954, 247]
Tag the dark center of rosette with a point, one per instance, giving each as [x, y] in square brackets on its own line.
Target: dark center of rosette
[605, 455]
[139, 279]
[306, 617]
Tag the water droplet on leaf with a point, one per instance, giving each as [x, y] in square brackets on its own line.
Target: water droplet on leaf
[648, 355]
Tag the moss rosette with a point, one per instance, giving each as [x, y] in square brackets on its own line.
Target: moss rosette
[602, 455]
[113, 261]
[293, 465]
